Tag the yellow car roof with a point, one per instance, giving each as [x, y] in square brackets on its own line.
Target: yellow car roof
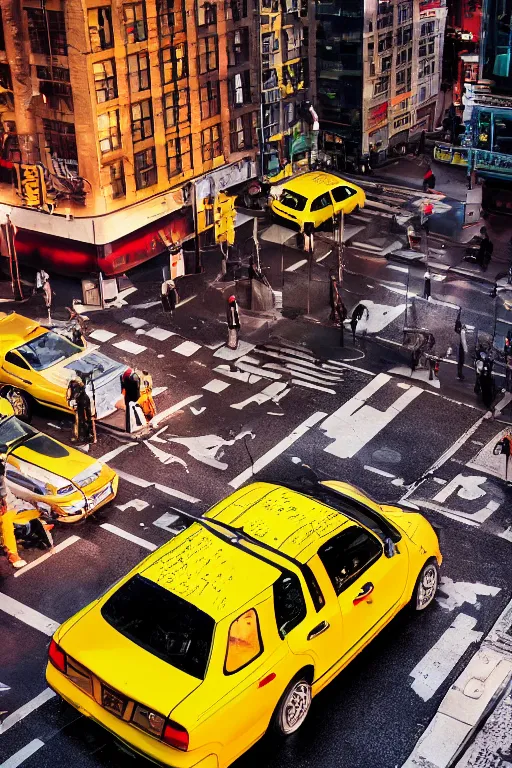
[315, 182]
[15, 330]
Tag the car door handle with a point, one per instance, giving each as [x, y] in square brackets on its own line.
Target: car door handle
[365, 591]
[322, 627]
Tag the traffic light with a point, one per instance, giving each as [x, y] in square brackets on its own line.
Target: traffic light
[224, 215]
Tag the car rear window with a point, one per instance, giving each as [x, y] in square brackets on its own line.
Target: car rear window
[293, 200]
[162, 623]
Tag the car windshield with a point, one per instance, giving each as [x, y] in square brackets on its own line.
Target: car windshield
[47, 350]
[12, 430]
[96, 364]
[162, 623]
[293, 200]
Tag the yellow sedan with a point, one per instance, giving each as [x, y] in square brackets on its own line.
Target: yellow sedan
[315, 198]
[232, 627]
[51, 476]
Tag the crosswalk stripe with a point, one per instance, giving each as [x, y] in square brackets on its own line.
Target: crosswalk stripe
[23, 754]
[27, 615]
[26, 709]
[301, 373]
[308, 385]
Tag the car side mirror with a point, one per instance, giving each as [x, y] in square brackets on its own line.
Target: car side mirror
[389, 547]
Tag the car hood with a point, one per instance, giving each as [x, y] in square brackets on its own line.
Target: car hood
[44, 451]
[123, 665]
[103, 369]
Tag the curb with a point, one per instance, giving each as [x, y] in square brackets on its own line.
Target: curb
[470, 700]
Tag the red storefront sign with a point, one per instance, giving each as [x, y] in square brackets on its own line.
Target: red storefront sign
[427, 5]
[378, 115]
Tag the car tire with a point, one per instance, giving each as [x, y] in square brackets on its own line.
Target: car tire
[293, 707]
[426, 586]
[20, 402]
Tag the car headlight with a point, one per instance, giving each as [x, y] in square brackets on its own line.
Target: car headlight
[148, 721]
[72, 509]
[66, 489]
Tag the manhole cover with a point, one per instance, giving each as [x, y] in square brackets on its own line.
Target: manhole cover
[387, 456]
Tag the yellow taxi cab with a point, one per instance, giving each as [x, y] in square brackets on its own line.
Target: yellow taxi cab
[314, 198]
[51, 476]
[36, 365]
[233, 626]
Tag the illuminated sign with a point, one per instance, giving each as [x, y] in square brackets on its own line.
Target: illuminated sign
[31, 184]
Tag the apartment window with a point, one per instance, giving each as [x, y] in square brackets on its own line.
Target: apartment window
[134, 22]
[293, 41]
[170, 16]
[427, 47]
[142, 120]
[173, 62]
[145, 168]
[138, 72]
[428, 28]
[54, 85]
[386, 63]
[422, 95]
[404, 56]
[47, 32]
[179, 155]
[105, 81]
[238, 47]
[385, 21]
[206, 14]
[117, 179]
[239, 89]
[401, 121]
[101, 33]
[109, 133]
[289, 114]
[381, 86]
[404, 12]
[176, 108]
[60, 140]
[404, 35]
[211, 143]
[426, 68]
[400, 77]
[385, 42]
[207, 54]
[209, 99]
[236, 135]
[236, 10]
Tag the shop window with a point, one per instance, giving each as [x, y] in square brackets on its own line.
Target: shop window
[176, 108]
[239, 89]
[105, 81]
[117, 179]
[142, 120]
[134, 22]
[173, 63]
[244, 642]
[138, 72]
[211, 143]
[47, 32]
[209, 99]
[145, 168]
[208, 54]
[109, 134]
[101, 33]
[170, 16]
[238, 47]
[236, 10]
[206, 14]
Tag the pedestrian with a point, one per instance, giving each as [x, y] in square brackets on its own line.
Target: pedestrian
[427, 284]
[146, 401]
[169, 296]
[427, 211]
[233, 319]
[463, 350]
[504, 447]
[7, 518]
[309, 228]
[130, 388]
[429, 180]
[357, 314]
[77, 337]
[84, 430]
[47, 293]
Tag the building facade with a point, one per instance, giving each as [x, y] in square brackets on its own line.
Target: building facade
[379, 65]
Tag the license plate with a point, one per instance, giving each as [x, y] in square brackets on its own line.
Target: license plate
[99, 497]
[113, 702]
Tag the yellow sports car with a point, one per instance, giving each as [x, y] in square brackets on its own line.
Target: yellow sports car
[50, 475]
[231, 627]
[314, 198]
[36, 365]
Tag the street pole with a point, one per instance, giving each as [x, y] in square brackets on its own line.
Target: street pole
[17, 290]
[341, 232]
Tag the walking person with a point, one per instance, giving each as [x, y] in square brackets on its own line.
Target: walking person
[463, 350]
[47, 293]
[146, 401]
[357, 314]
[309, 229]
[84, 430]
[427, 285]
[233, 319]
[130, 388]
[429, 180]
[169, 296]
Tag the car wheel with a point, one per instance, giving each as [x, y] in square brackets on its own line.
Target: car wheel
[293, 707]
[426, 586]
[21, 404]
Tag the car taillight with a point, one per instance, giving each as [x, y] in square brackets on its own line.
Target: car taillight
[57, 656]
[175, 735]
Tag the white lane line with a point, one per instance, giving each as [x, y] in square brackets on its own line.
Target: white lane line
[112, 454]
[453, 514]
[129, 536]
[63, 545]
[323, 257]
[28, 615]
[396, 268]
[155, 421]
[141, 483]
[4, 687]
[186, 301]
[26, 709]
[300, 383]
[23, 754]
[274, 452]
[378, 471]
[352, 367]
[297, 265]
[436, 665]
[129, 346]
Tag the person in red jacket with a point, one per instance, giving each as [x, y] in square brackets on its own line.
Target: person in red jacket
[429, 180]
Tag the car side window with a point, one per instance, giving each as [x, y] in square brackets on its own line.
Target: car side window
[289, 603]
[321, 202]
[244, 642]
[339, 194]
[347, 555]
[14, 359]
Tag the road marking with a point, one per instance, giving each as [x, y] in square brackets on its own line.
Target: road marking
[23, 754]
[129, 536]
[112, 454]
[323, 257]
[135, 322]
[187, 348]
[297, 265]
[354, 424]
[436, 665]
[160, 334]
[216, 386]
[63, 545]
[378, 471]
[136, 504]
[100, 335]
[155, 421]
[468, 488]
[4, 687]
[129, 346]
[459, 592]
[278, 449]
[300, 383]
[352, 367]
[186, 301]
[26, 709]
[396, 268]
[166, 521]
[28, 615]
[141, 483]
[451, 513]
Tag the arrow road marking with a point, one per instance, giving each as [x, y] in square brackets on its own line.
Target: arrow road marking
[468, 488]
